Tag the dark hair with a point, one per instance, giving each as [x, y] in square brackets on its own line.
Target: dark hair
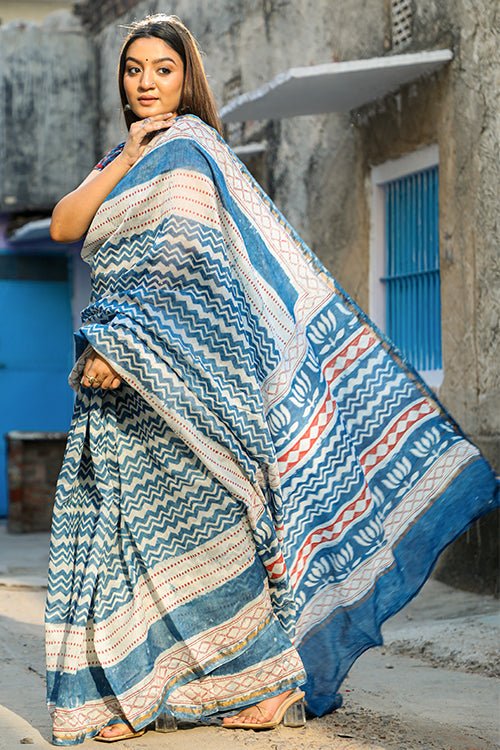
[196, 97]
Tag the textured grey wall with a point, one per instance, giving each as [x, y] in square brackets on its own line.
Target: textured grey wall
[47, 112]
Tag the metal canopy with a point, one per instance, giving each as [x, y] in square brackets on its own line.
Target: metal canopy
[32, 231]
[34, 236]
[332, 87]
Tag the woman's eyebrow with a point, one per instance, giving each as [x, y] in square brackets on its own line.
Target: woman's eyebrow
[160, 59]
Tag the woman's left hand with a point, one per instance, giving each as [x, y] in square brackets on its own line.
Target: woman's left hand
[98, 373]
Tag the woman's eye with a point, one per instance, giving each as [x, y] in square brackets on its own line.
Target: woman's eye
[164, 70]
[132, 69]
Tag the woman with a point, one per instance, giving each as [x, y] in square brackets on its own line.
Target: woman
[254, 479]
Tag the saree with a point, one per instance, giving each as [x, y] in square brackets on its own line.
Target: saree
[271, 480]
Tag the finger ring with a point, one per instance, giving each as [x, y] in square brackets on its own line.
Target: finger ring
[91, 378]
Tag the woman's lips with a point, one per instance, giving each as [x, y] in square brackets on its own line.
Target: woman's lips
[148, 100]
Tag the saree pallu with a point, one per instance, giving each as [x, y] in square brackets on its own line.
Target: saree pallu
[269, 483]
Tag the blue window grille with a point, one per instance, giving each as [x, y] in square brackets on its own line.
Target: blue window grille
[412, 281]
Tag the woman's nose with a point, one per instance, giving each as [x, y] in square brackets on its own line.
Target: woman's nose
[146, 80]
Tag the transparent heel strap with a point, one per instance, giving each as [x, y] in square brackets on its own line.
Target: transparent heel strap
[165, 722]
[295, 715]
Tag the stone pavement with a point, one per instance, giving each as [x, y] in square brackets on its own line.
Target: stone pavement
[433, 686]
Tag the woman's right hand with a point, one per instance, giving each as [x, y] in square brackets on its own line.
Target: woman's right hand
[140, 134]
[73, 214]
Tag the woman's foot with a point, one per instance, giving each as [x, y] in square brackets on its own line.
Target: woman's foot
[118, 731]
[114, 730]
[260, 713]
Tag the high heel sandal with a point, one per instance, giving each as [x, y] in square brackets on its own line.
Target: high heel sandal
[165, 722]
[291, 713]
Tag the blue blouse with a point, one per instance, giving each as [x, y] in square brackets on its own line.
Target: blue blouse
[109, 156]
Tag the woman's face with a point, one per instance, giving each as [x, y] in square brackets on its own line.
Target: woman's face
[153, 77]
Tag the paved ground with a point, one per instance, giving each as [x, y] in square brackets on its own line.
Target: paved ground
[434, 685]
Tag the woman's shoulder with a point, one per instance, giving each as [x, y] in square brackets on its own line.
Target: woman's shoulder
[109, 156]
[193, 127]
[197, 134]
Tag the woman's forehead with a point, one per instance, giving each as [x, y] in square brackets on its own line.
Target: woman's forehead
[151, 48]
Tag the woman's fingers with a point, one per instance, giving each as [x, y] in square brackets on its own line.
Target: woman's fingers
[107, 380]
[92, 378]
[162, 124]
[90, 381]
[87, 372]
[149, 126]
[154, 118]
[110, 378]
[139, 129]
[93, 381]
[141, 132]
[98, 373]
[102, 366]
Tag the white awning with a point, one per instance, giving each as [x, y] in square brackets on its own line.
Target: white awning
[332, 87]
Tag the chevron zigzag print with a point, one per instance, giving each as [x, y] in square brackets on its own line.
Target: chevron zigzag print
[269, 483]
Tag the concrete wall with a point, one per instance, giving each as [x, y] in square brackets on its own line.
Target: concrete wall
[47, 111]
[13, 10]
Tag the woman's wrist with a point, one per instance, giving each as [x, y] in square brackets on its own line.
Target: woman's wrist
[123, 161]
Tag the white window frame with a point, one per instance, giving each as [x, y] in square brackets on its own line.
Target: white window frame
[392, 170]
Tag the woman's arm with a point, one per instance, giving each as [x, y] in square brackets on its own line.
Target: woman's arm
[73, 215]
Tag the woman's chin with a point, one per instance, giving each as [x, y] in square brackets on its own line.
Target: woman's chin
[149, 110]
[143, 112]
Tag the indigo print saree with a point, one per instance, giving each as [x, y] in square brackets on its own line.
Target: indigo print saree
[270, 482]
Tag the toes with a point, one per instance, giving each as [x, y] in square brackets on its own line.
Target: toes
[232, 719]
[113, 729]
[244, 719]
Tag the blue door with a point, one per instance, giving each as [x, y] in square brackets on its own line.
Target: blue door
[36, 348]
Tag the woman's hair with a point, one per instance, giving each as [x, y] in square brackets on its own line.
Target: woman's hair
[196, 97]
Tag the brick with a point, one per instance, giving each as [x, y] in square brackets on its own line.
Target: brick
[33, 469]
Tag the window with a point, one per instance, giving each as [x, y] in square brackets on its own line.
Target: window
[404, 267]
[401, 23]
